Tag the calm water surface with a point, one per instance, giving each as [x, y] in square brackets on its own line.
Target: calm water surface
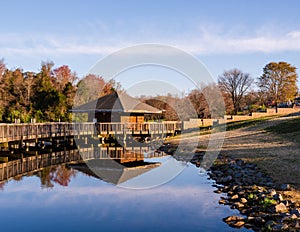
[66, 199]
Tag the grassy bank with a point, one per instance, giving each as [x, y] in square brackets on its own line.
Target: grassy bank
[274, 145]
[275, 150]
[289, 130]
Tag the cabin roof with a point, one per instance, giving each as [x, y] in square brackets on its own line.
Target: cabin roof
[116, 102]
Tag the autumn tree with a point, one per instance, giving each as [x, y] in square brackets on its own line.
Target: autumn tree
[13, 95]
[166, 104]
[200, 105]
[92, 87]
[173, 108]
[46, 96]
[252, 101]
[2, 88]
[278, 82]
[63, 75]
[235, 83]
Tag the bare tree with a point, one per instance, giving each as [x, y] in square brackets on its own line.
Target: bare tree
[235, 83]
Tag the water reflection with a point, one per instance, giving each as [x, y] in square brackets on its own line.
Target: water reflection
[60, 174]
[74, 198]
[111, 164]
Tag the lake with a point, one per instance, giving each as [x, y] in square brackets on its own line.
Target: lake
[69, 198]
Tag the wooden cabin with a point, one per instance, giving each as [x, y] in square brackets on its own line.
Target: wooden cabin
[117, 107]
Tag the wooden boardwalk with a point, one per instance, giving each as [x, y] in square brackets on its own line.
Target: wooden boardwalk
[33, 131]
[31, 164]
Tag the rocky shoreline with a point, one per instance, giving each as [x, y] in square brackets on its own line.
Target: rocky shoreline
[259, 199]
[263, 203]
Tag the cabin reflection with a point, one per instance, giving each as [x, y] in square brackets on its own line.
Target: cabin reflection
[116, 164]
[111, 164]
[114, 172]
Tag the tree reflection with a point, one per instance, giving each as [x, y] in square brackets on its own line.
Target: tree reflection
[60, 175]
[63, 175]
[45, 177]
[18, 178]
[2, 185]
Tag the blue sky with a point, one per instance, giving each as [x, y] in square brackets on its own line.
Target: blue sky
[221, 34]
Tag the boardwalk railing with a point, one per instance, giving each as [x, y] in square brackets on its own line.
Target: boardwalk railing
[119, 153]
[138, 128]
[26, 165]
[27, 131]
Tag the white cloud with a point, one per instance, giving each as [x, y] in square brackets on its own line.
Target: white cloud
[201, 42]
[214, 43]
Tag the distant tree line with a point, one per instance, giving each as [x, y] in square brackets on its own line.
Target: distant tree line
[241, 93]
[49, 94]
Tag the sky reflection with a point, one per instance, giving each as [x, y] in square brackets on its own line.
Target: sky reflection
[89, 204]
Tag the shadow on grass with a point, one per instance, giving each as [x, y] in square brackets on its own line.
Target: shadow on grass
[246, 123]
[291, 126]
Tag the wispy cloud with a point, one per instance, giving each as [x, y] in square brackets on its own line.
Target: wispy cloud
[215, 43]
[202, 42]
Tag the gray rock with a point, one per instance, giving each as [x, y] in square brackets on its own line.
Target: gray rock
[231, 193]
[280, 208]
[235, 187]
[241, 192]
[294, 216]
[240, 162]
[244, 200]
[272, 192]
[237, 224]
[280, 227]
[218, 173]
[248, 225]
[297, 225]
[270, 223]
[278, 197]
[239, 205]
[259, 175]
[226, 179]
[269, 184]
[259, 220]
[250, 218]
[223, 201]
[286, 202]
[234, 197]
[233, 218]
[238, 175]
[296, 212]
[217, 191]
[284, 187]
